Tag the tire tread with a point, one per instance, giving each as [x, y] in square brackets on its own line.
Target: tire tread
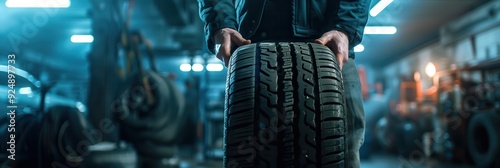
[284, 107]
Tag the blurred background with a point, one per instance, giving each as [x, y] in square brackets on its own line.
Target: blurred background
[89, 74]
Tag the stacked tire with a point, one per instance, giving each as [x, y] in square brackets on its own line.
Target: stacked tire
[153, 129]
[284, 107]
[483, 139]
[25, 132]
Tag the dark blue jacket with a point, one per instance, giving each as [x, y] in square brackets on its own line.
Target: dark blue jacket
[311, 18]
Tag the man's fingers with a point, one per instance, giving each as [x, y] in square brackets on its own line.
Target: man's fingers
[220, 53]
[224, 49]
[225, 60]
[340, 59]
[238, 39]
[227, 38]
[227, 46]
[337, 42]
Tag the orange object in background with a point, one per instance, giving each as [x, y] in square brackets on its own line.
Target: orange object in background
[363, 81]
[380, 88]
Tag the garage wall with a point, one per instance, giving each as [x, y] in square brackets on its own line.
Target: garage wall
[479, 46]
[475, 37]
[411, 63]
[488, 44]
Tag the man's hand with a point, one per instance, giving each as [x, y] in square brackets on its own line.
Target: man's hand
[227, 38]
[338, 42]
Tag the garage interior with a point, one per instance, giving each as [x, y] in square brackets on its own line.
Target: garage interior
[430, 74]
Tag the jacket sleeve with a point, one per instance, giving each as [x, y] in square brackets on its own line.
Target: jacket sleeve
[216, 14]
[351, 18]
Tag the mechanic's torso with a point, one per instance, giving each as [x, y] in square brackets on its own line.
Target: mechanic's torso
[258, 19]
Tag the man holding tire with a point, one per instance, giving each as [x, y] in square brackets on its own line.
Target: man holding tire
[337, 24]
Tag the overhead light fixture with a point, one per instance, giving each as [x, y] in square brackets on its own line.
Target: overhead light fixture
[82, 38]
[25, 90]
[379, 7]
[197, 67]
[37, 3]
[185, 67]
[380, 30]
[359, 48]
[81, 107]
[215, 67]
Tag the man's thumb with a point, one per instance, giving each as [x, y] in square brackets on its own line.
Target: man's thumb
[239, 40]
[323, 40]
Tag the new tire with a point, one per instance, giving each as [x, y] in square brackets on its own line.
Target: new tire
[284, 107]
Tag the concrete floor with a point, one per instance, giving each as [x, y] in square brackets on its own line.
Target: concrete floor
[375, 161]
[390, 161]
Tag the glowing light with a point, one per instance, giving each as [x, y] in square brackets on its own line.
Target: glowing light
[215, 67]
[197, 67]
[37, 3]
[185, 67]
[430, 69]
[25, 90]
[81, 107]
[359, 48]
[416, 76]
[379, 7]
[82, 38]
[380, 30]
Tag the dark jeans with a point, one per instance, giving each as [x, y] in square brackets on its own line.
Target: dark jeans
[355, 111]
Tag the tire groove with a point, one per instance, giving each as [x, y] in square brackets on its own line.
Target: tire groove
[239, 110]
[281, 109]
[257, 99]
[236, 81]
[287, 98]
[316, 104]
[307, 153]
[239, 68]
[238, 102]
[332, 119]
[268, 86]
[268, 105]
[295, 122]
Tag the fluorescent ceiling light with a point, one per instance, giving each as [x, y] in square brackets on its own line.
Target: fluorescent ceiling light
[185, 67]
[380, 30]
[381, 5]
[38, 3]
[359, 48]
[215, 67]
[82, 38]
[197, 67]
[81, 107]
[25, 90]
